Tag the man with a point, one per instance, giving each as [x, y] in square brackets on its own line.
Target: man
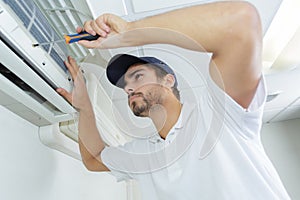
[208, 150]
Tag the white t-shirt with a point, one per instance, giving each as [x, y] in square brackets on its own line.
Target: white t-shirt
[214, 152]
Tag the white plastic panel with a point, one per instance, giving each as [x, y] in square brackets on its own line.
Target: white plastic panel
[20, 69]
[53, 138]
[27, 114]
[142, 6]
[7, 22]
[6, 100]
[106, 6]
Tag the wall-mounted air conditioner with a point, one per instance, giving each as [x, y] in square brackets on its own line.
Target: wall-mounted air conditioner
[29, 77]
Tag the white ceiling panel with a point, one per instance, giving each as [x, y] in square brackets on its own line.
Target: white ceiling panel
[142, 6]
[269, 114]
[288, 83]
[98, 7]
[292, 112]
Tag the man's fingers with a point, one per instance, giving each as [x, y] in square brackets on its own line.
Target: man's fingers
[65, 94]
[103, 26]
[79, 29]
[97, 26]
[72, 66]
[88, 28]
[73, 63]
[71, 69]
[98, 29]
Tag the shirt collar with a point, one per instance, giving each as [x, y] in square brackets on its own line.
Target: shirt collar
[186, 109]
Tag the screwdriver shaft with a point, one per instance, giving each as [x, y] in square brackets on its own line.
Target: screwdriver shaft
[71, 38]
[47, 43]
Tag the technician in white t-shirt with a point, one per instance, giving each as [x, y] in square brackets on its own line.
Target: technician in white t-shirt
[205, 149]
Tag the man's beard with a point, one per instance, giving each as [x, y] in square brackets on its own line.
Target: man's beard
[140, 110]
[141, 107]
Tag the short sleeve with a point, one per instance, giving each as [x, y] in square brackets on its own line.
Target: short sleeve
[110, 160]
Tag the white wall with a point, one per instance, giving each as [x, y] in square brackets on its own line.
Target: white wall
[31, 171]
[282, 144]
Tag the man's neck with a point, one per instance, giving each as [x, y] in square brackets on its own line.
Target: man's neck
[165, 116]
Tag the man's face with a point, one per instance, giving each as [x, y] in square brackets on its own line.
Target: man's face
[143, 88]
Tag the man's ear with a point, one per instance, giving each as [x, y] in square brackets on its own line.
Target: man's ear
[169, 80]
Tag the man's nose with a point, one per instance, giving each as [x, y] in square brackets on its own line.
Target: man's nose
[128, 89]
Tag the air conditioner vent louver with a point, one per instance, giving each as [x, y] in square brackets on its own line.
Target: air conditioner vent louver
[37, 24]
[26, 88]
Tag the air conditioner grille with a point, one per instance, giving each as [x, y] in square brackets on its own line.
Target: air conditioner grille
[23, 17]
[34, 20]
[28, 6]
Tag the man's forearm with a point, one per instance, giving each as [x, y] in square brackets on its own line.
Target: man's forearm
[203, 28]
[90, 142]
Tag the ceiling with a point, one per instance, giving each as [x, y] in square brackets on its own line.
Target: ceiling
[280, 55]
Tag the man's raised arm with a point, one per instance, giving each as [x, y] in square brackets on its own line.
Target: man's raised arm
[230, 30]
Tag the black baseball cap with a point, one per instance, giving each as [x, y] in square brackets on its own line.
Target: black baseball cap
[119, 64]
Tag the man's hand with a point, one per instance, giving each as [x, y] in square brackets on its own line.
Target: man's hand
[78, 97]
[90, 142]
[107, 26]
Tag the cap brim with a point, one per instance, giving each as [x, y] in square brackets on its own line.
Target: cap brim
[117, 67]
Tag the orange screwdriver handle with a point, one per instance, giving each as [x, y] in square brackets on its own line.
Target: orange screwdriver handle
[71, 38]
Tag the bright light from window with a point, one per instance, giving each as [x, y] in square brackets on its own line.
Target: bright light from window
[282, 29]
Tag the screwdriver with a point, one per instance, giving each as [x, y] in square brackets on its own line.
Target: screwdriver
[71, 38]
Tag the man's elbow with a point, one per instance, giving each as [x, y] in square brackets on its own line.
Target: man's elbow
[94, 165]
[248, 22]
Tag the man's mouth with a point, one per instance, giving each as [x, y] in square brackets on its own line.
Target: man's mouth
[134, 96]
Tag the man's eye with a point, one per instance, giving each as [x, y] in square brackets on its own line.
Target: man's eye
[138, 76]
